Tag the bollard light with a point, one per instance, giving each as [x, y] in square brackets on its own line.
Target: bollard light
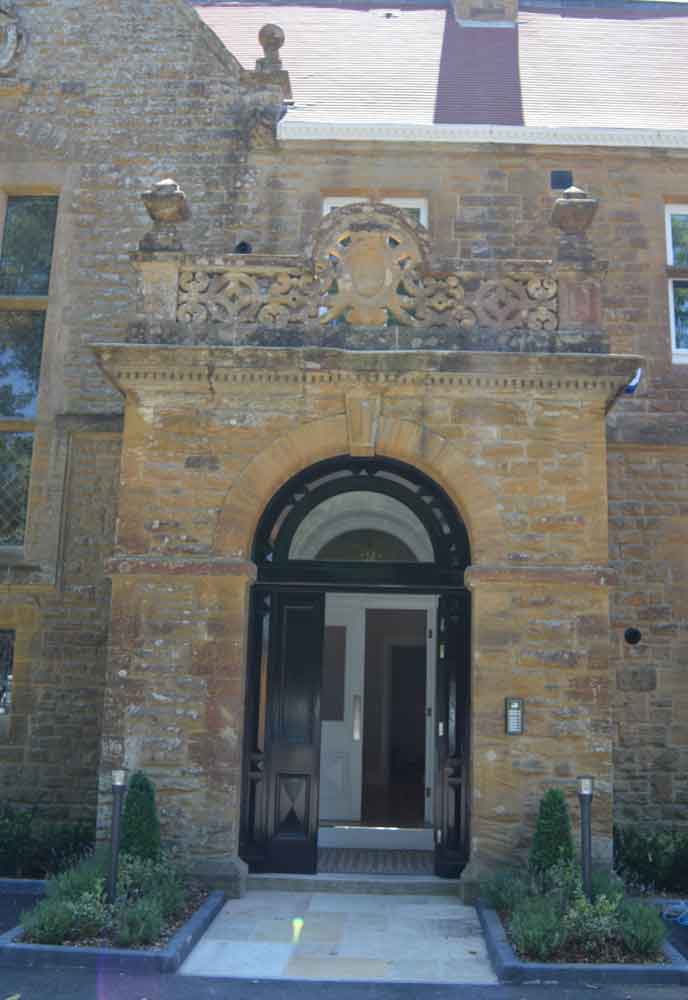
[119, 784]
[586, 788]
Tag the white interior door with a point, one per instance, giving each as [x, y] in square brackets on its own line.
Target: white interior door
[341, 748]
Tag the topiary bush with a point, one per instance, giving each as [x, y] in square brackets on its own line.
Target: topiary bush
[140, 824]
[552, 841]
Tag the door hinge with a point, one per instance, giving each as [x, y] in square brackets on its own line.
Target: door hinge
[429, 633]
[440, 729]
[427, 791]
[438, 836]
[428, 711]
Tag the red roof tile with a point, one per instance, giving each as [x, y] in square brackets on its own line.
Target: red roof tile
[616, 67]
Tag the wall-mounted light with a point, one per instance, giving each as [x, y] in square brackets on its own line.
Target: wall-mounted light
[513, 716]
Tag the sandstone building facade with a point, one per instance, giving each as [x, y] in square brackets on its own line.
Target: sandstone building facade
[364, 428]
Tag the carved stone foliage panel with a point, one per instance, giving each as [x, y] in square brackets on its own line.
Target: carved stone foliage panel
[368, 267]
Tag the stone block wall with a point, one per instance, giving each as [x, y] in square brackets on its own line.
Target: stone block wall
[105, 99]
[108, 98]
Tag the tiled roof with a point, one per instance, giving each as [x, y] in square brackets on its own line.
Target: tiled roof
[601, 66]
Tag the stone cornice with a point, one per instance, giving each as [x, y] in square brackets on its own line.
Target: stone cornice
[146, 369]
[530, 575]
[299, 131]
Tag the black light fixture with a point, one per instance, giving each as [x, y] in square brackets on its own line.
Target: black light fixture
[586, 788]
[119, 784]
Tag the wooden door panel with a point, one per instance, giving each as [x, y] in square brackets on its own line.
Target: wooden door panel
[453, 699]
[293, 738]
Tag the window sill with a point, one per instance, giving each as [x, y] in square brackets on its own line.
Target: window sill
[680, 357]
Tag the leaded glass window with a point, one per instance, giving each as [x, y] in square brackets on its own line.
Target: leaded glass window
[26, 250]
[15, 469]
[27, 245]
[21, 345]
[6, 666]
[679, 306]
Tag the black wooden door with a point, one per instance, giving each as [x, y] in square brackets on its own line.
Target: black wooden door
[292, 745]
[452, 735]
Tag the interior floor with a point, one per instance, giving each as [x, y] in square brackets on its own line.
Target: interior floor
[355, 861]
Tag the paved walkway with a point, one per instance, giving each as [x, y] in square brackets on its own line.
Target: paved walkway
[342, 936]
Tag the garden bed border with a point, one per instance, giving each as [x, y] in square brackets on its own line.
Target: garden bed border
[13, 952]
[510, 968]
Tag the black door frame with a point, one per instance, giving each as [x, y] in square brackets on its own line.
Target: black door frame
[281, 579]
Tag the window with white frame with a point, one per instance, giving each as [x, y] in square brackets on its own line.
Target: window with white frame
[416, 208]
[27, 232]
[677, 260]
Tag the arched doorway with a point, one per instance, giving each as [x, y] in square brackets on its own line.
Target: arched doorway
[357, 710]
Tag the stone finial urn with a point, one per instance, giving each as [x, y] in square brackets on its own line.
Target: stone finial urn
[271, 38]
[167, 205]
[573, 214]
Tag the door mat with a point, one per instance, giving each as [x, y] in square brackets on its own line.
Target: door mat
[354, 861]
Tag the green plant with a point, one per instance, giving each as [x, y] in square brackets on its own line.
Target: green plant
[505, 889]
[140, 825]
[656, 860]
[31, 847]
[83, 878]
[90, 913]
[535, 928]
[590, 926]
[15, 841]
[641, 928]
[162, 879]
[609, 884]
[562, 882]
[137, 923]
[552, 841]
[49, 922]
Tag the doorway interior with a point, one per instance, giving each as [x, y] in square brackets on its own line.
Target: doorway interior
[377, 730]
[357, 697]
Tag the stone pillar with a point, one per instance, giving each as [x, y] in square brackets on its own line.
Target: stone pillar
[174, 700]
[541, 634]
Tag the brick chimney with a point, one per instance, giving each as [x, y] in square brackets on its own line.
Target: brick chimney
[490, 13]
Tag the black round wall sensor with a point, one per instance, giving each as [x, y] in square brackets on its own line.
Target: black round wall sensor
[243, 247]
[633, 636]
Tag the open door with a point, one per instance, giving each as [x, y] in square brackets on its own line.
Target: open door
[292, 744]
[341, 757]
[452, 735]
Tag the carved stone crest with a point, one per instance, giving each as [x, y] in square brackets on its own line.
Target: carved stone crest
[11, 37]
[366, 266]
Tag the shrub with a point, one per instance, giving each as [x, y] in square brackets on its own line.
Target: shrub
[653, 860]
[505, 889]
[50, 922]
[607, 883]
[73, 883]
[641, 928]
[16, 845]
[31, 847]
[552, 841]
[90, 913]
[535, 928]
[140, 826]
[137, 923]
[162, 879]
[590, 926]
[563, 882]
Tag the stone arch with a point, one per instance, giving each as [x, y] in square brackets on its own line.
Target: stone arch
[438, 457]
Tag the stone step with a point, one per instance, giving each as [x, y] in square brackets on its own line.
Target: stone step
[429, 885]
